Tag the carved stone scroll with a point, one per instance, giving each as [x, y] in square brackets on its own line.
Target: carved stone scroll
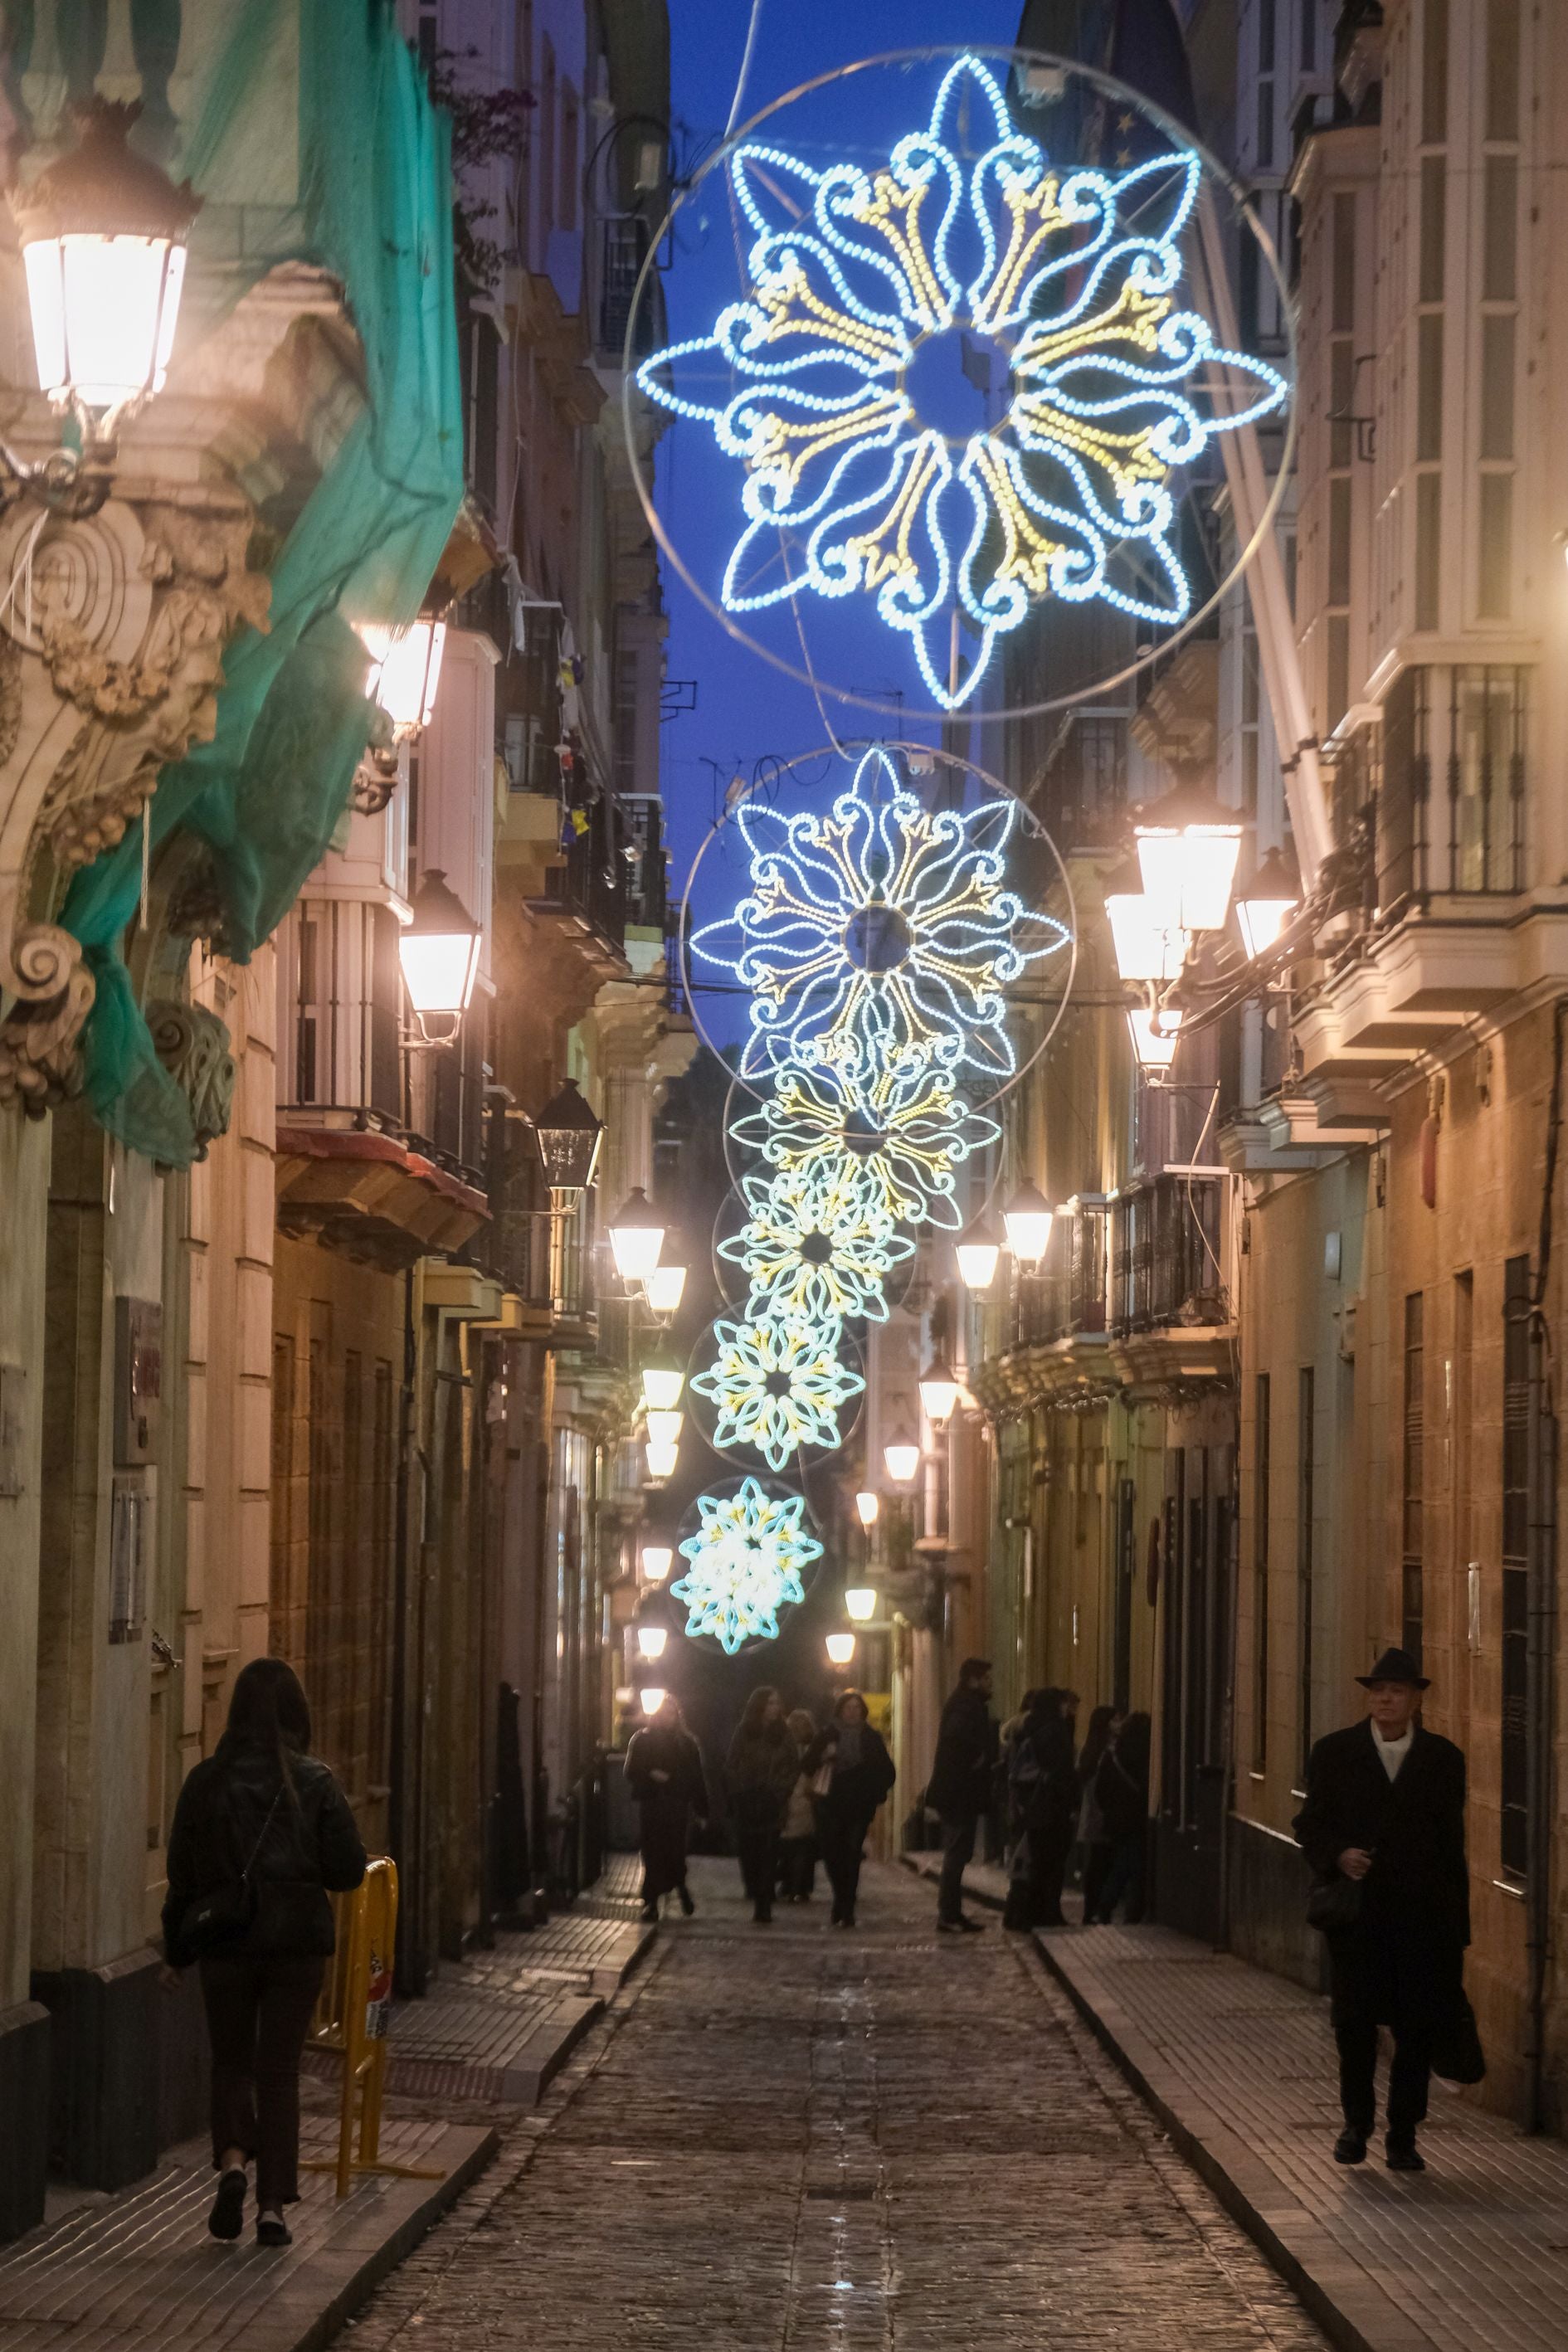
[194, 1046]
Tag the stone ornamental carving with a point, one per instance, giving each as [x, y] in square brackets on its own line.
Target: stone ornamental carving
[112, 629]
[194, 1046]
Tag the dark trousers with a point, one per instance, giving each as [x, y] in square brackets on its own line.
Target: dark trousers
[1124, 1877]
[843, 1847]
[1096, 1870]
[757, 1844]
[797, 1867]
[1409, 2078]
[258, 2012]
[957, 1854]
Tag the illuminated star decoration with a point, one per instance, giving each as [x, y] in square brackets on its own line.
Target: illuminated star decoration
[880, 925]
[1068, 279]
[905, 1129]
[746, 1562]
[777, 1381]
[818, 1242]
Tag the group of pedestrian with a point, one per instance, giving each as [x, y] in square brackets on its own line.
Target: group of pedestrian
[801, 1795]
[1054, 1796]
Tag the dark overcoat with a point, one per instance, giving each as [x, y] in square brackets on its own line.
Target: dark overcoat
[959, 1784]
[665, 1806]
[854, 1792]
[1402, 1963]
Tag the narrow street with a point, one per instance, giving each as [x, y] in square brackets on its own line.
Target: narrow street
[789, 2137]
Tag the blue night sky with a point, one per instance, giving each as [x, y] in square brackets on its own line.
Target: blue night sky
[745, 709]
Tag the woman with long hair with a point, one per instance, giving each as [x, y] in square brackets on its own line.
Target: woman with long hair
[763, 1768]
[261, 1832]
[797, 1831]
[1094, 1846]
[1122, 1785]
[858, 1772]
[1045, 1796]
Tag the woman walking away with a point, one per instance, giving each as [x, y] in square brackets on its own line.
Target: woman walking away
[1122, 1785]
[764, 1766]
[853, 1773]
[1045, 1794]
[664, 1774]
[261, 1832]
[797, 1841]
[1094, 1846]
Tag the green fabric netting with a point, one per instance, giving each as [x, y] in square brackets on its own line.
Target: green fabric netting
[373, 206]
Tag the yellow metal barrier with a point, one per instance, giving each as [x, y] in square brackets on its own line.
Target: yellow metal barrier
[351, 2018]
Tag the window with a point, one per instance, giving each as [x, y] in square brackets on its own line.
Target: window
[1413, 1474]
[1514, 1831]
[1497, 323]
[1306, 1496]
[1260, 1450]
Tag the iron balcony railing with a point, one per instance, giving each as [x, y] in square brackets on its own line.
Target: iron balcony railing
[1068, 1296]
[1166, 1254]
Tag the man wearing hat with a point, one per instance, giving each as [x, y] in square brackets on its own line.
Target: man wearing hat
[1383, 1829]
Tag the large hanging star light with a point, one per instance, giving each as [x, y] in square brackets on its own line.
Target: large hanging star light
[746, 1559]
[883, 923]
[907, 1131]
[777, 1382]
[1065, 281]
[818, 1243]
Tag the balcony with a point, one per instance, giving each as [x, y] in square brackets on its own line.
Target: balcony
[1054, 1344]
[1171, 1328]
[624, 242]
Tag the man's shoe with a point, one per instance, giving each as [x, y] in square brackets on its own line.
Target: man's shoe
[1350, 2148]
[272, 2230]
[962, 1926]
[227, 2216]
[1403, 2155]
[687, 1905]
[650, 1910]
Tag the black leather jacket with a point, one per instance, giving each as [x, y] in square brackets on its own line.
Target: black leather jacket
[309, 1845]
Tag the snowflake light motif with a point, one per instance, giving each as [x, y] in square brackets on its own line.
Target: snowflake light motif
[777, 1381]
[905, 1129]
[746, 1562]
[818, 1243]
[1070, 277]
[881, 921]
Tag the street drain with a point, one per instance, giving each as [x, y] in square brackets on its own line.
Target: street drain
[848, 2191]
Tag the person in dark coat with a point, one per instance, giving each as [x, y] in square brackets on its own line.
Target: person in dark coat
[1121, 1792]
[860, 1776]
[959, 1787]
[1385, 1811]
[763, 1767]
[664, 1774]
[261, 1812]
[1094, 1846]
[1044, 1787]
[797, 1831]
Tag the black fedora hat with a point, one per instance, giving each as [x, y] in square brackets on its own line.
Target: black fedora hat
[1394, 1666]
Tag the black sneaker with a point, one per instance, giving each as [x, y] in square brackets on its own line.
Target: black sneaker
[1403, 2154]
[960, 1926]
[272, 2230]
[687, 1905]
[227, 2216]
[1350, 2147]
[651, 1911]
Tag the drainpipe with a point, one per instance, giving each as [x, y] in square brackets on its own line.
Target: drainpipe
[1541, 1623]
[398, 1807]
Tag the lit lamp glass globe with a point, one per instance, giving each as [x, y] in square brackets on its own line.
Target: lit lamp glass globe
[636, 1237]
[404, 671]
[978, 1249]
[664, 1286]
[859, 1603]
[651, 1639]
[939, 1390]
[1028, 1217]
[104, 233]
[1266, 905]
[665, 1428]
[657, 1561]
[1155, 1036]
[902, 1461]
[660, 1459]
[840, 1649]
[1143, 951]
[661, 1386]
[867, 1506]
[653, 1697]
[439, 949]
[1188, 844]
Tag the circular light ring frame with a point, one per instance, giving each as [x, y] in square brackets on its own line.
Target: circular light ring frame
[972, 1098]
[778, 1489]
[701, 1413]
[1214, 175]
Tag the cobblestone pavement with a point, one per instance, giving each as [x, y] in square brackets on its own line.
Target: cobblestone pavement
[788, 2137]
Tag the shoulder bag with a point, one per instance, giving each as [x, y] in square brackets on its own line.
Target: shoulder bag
[1334, 1904]
[218, 1918]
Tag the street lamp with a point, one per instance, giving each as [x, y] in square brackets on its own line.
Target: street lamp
[651, 1639]
[902, 1461]
[636, 1236]
[1266, 905]
[1028, 1217]
[657, 1561]
[664, 1286]
[978, 1249]
[664, 1427]
[103, 233]
[859, 1602]
[840, 1649]
[660, 1457]
[867, 1506]
[1156, 1036]
[404, 671]
[1188, 844]
[939, 1390]
[653, 1699]
[1144, 950]
[568, 1135]
[661, 1385]
[439, 949]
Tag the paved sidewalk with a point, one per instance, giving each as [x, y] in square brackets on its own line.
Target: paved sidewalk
[1471, 2256]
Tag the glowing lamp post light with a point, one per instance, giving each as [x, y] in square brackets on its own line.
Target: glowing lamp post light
[977, 1250]
[636, 1237]
[660, 1456]
[867, 1506]
[664, 1428]
[1144, 951]
[405, 672]
[1188, 846]
[1155, 1033]
[860, 1603]
[651, 1639]
[661, 1385]
[902, 1461]
[939, 1391]
[653, 1697]
[657, 1561]
[664, 1286]
[1028, 1217]
[840, 1649]
[1266, 905]
[439, 952]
